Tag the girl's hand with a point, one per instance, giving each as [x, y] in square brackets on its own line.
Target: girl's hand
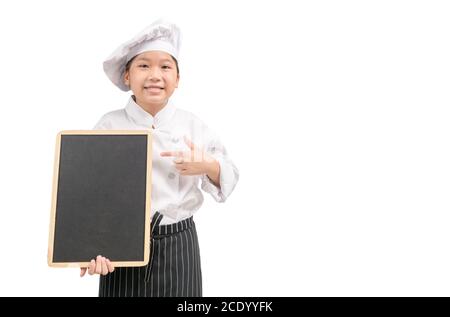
[100, 266]
[194, 162]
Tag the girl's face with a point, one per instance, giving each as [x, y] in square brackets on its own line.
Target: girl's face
[153, 78]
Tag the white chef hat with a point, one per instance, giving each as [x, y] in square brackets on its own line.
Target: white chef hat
[161, 35]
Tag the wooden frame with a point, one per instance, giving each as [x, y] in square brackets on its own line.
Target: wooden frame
[147, 233]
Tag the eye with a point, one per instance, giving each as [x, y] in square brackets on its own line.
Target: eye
[143, 66]
[166, 67]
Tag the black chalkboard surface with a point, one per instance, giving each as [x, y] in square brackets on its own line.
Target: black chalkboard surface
[101, 198]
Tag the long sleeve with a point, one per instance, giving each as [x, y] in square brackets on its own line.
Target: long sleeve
[229, 174]
[175, 196]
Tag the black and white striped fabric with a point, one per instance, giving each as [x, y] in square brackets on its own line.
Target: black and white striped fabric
[173, 270]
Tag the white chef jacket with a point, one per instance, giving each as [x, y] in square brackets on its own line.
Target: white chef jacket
[175, 196]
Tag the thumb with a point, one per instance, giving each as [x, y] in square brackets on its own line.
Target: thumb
[82, 271]
[189, 143]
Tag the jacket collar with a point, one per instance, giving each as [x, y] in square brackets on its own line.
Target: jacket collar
[142, 117]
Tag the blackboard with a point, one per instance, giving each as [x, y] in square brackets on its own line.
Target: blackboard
[101, 198]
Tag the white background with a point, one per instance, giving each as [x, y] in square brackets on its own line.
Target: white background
[336, 113]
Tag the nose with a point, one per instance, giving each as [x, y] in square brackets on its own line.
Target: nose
[154, 74]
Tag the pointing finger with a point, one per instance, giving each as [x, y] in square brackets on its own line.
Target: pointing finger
[189, 143]
[172, 153]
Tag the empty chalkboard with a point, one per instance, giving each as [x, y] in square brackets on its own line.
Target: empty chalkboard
[101, 198]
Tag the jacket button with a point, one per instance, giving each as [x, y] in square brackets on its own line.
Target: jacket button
[171, 175]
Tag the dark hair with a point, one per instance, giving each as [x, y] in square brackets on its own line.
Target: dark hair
[127, 66]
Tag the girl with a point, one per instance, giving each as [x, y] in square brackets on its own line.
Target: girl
[185, 152]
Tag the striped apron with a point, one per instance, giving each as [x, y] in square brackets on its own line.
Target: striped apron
[173, 269]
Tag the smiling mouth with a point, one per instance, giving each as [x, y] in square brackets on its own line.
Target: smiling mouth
[154, 88]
